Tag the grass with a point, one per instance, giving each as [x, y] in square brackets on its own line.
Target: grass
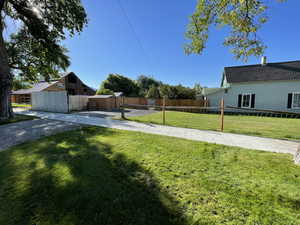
[17, 118]
[21, 105]
[96, 176]
[281, 128]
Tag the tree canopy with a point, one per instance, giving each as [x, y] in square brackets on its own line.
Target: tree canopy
[153, 92]
[119, 83]
[45, 23]
[31, 60]
[145, 83]
[243, 17]
[146, 86]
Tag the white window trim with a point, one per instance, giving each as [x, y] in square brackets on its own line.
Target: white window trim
[250, 100]
[298, 93]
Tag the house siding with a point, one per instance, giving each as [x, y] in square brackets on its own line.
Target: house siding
[271, 95]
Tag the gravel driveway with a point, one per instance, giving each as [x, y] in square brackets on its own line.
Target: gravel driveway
[17, 133]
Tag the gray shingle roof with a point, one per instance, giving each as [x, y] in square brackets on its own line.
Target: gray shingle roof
[269, 72]
[36, 88]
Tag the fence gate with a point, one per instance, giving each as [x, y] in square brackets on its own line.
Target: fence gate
[56, 101]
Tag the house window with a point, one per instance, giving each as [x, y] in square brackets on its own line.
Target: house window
[296, 100]
[246, 100]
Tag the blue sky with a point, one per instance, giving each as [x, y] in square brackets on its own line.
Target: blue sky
[110, 45]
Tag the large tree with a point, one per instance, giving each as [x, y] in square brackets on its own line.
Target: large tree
[243, 17]
[44, 24]
[119, 83]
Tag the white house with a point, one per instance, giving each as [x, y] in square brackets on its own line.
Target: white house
[268, 86]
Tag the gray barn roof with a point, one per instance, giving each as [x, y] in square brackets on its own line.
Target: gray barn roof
[269, 72]
[36, 88]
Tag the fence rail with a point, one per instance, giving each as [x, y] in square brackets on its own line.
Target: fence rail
[221, 109]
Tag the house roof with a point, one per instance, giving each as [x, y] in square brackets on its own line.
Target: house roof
[269, 72]
[40, 86]
[36, 88]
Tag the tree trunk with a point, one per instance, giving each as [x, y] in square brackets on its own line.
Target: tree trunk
[5, 80]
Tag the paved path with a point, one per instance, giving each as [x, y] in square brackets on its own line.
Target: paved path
[105, 114]
[17, 133]
[244, 141]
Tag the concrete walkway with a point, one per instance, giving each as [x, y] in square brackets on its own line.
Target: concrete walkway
[243, 141]
[20, 132]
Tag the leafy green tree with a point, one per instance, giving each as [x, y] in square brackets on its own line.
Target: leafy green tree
[177, 92]
[185, 92]
[19, 83]
[104, 91]
[243, 17]
[45, 23]
[119, 83]
[145, 83]
[30, 59]
[153, 92]
[198, 89]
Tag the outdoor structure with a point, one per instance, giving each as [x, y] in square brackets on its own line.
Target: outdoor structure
[267, 86]
[105, 102]
[69, 82]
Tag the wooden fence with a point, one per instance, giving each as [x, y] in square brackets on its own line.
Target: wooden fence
[134, 101]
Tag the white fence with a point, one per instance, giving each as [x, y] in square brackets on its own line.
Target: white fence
[56, 101]
[78, 102]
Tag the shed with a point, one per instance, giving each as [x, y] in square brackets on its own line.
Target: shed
[102, 102]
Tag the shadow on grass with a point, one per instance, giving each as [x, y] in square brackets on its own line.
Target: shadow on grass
[69, 179]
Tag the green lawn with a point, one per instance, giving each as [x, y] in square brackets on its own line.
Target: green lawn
[17, 118]
[98, 176]
[272, 127]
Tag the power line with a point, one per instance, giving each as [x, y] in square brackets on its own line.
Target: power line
[134, 32]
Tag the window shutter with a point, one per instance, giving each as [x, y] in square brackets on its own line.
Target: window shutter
[240, 101]
[253, 101]
[290, 97]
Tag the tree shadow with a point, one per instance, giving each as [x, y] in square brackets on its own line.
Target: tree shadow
[67, 179]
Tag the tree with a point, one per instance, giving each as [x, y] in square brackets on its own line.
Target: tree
[30, 59]
[145, 83]
[153, 92]
[104, 91]
[19, 83]
[177, 92]
[198, 89]
[45, 23]
[119, 83]
[244, 18]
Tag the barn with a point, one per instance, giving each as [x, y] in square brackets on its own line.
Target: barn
[69, 82]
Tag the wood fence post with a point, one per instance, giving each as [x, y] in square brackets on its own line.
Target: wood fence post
[123, 113]
[222, 114]
[164, 110]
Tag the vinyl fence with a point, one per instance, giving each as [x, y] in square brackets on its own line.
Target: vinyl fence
[56, 101]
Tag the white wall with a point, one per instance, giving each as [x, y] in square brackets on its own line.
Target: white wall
[51, 101]
[78, 102]
[268, 95]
